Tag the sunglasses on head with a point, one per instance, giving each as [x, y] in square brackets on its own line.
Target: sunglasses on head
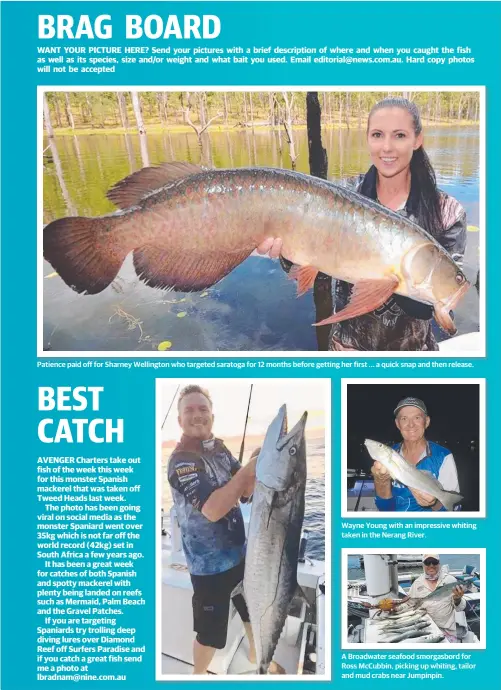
[431, 561]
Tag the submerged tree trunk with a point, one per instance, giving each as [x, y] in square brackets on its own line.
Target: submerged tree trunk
[136, 106]
[89, 108]
[187, 118]
[271, 106]
[251, 111]
[165, 107]
[288, 127]
[322, 288]
[246, 117]
[202, 109]
[122, 108]
[69, 114]
[60, 177]
[46, 117]
[57, 111]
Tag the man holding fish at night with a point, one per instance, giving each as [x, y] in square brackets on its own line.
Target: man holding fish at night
[415, 475]
[441, 593]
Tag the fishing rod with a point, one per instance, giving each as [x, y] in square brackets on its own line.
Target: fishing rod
[359, 495]
[170, 406]
[242, 446]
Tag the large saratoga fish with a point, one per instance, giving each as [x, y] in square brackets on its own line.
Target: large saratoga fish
[274, 533]
[407, 474]
[188, 228]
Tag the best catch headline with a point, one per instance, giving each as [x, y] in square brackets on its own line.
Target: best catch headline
[65, 26]
[77, 430]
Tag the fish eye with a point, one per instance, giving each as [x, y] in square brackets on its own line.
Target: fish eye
[460, 278]
[292, 450]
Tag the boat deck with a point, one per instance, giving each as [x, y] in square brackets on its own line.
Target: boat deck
[286, 655]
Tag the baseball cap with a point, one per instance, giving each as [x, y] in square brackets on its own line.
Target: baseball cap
[411, 402]
[430, 555]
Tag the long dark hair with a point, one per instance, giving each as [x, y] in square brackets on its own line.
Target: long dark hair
[424, 198]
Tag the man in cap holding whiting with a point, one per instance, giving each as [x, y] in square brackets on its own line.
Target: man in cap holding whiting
[442, 612]
[412, 420]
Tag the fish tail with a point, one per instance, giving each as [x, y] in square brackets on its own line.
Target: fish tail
[86, 257]
[449, 499]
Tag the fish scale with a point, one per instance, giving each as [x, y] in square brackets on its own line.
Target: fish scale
[270, 579]
[211, 220]
[409, 475]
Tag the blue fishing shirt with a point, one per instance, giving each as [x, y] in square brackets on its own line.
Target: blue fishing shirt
[436, 460]
[196, 469]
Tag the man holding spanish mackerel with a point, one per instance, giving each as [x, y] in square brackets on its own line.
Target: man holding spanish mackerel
[208, 484]
[416, 474]
[188, 228]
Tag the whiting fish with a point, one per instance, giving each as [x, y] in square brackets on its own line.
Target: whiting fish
[428, 639]
[406, 628]
[409, 634]
[406, 474]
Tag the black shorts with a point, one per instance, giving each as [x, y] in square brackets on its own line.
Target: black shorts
[211, 605]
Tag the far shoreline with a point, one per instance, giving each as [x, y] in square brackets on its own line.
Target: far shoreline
[159, 128]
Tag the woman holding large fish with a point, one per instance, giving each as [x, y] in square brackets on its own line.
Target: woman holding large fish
[187, 228]
[402, 179]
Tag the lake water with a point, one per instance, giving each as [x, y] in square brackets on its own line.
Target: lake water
[253, 308]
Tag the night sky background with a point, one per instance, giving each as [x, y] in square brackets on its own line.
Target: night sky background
[454, 412]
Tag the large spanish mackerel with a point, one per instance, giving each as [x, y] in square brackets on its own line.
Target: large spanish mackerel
[188, 228]
[270, 579]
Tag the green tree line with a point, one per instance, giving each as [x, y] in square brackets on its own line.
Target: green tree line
[200, 110]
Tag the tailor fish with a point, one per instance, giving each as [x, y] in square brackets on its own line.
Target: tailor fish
[416, 625]
[407, 621]
[407, 474]
[439, 593]
[188, 228]
[270, 579]
[427, 639]
[409, 634]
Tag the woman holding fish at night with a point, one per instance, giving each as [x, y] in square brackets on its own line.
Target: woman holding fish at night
[402, 179]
